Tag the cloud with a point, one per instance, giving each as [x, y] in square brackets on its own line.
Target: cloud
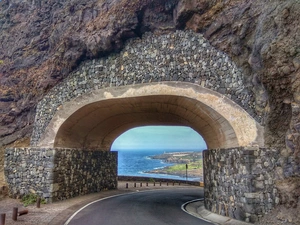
[160, 137]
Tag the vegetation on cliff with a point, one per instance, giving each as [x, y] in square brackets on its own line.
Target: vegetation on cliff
[186, 163]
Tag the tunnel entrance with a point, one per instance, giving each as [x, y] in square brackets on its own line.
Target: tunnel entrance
[170, 79]
[96, 119]
[98, 124]
[78, 139]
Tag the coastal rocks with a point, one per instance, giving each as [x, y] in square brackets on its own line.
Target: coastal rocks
[179, 157]
[181, 160]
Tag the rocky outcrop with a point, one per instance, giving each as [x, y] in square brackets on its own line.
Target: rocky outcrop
[263, 39]
[41, 42]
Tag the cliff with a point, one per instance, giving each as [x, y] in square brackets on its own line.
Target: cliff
[41, 42]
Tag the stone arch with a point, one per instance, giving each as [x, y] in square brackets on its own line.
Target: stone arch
[96, 119]
[179, 57]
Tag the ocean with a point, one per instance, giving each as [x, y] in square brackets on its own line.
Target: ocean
[136, 163]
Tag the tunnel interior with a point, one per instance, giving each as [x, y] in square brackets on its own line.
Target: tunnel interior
[97, 125]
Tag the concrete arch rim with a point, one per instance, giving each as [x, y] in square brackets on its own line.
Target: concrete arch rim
[248, 131]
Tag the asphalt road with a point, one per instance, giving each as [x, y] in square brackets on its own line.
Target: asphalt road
[156, 207]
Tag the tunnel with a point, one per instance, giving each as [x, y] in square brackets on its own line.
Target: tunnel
[95, 120]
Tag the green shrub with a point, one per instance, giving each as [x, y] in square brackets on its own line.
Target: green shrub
[31, 199]
[152, 180]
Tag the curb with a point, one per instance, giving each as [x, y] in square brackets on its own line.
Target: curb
[196, 208]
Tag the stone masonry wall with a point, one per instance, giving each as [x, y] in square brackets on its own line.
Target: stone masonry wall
[57, 174]
[240, 182]
[179, 56]
[29, 170]
[79, 172]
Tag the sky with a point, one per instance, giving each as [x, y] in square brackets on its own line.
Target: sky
[160, 138]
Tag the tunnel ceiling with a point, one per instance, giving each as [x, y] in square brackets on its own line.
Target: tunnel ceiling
[98, 124]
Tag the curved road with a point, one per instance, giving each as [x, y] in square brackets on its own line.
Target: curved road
[157, 207]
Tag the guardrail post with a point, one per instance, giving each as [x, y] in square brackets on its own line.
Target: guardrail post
[2, 219]
[38, 202]
[15, 214]
[23, 212]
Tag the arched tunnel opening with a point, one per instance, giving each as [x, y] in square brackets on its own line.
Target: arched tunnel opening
[78, 137]
[97, 125]
[163, 152]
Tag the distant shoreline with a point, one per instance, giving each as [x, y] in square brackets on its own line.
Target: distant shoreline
[180, 160]
[191, 174]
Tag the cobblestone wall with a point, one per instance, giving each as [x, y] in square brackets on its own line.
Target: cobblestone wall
[29, 170]
[80, 172]
[240, 182]
[180, 56]
[57, 174]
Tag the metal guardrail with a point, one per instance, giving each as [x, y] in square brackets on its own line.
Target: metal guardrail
[158, 180]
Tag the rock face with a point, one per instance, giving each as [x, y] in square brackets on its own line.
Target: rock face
[41, 42]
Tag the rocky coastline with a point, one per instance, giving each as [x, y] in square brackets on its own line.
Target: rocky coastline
[180, 160]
